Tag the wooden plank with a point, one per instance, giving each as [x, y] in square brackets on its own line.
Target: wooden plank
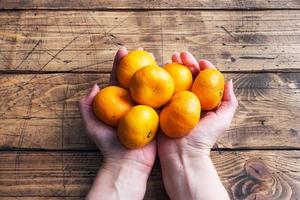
[40, 111]
[266, 174]
[161, 4]
[86, 40]
[41, 198]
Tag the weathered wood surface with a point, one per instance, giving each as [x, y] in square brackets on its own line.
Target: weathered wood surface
[40, 111]
[44, 41]
[157, 4]
[264, 174]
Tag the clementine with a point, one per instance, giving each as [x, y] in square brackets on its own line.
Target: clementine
[152, 86]
[132, 62]
[181, 75]
[180, 115]
[209, 88]
[111, 103]
[138, 127]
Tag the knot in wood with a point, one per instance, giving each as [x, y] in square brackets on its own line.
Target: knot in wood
[257, 170]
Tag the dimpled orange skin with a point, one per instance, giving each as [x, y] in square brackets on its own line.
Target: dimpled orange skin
[111, 104]
[152, 86]
[132, 62]
[138, 127]
[180, 115]
[181, 75]
[209, 88]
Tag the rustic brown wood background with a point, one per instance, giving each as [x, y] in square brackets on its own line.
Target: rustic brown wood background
[53, 51]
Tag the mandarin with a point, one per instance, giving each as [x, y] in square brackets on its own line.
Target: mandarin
[111, 103]
[181, 75]
[138, 127]
[180, 115]
[152, 86]
[132, 62]
[209, 88]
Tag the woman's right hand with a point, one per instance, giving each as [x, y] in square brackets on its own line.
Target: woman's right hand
[182, 159]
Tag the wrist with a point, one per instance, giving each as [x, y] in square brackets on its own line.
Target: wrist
[120, 180]
[180, 174]
[128, 176]
[125, 166]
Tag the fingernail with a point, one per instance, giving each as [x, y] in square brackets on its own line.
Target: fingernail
[94, 88]
[122, 47]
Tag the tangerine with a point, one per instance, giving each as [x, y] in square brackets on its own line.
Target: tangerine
[111, 103]
[138, 127]
[209, 88]
[181, 75]
[180, 115]
[132, 62]
[152, 86]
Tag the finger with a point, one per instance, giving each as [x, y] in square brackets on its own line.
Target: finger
[176, 58]
[119, 55]
[140, 48]
[229, 103]
[86, 108]
[205, 64]
[189, 60]
[152, 56]
[88, 100]
[168, 62]
[229, 93]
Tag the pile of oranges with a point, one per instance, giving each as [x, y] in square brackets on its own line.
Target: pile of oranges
[144, 87]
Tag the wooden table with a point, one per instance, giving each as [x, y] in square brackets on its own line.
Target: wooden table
[52, 52]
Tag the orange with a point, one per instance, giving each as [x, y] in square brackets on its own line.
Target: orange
[181, 75]
[209, 88]
[132, 62]
[111, 103]
[180, 115]
[152, 86]
[138, 127]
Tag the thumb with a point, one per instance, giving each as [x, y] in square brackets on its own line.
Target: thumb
[88, 100]
[86, 106]
[229, 103]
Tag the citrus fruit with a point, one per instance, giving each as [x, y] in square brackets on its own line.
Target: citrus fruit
[180, 115]
[152, 86]
[132, 62]
[111, 103]
[181, 75]
[138, 126]
[209, 88]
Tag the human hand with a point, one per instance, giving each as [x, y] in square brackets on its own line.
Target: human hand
[212, 124]
[119, 163]
[188, 172]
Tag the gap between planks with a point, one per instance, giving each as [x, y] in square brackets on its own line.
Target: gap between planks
[144, 9]
[29, 72]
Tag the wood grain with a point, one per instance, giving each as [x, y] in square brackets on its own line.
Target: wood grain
[157, 4]
[40, 111]
[86, 41]
[246, 175]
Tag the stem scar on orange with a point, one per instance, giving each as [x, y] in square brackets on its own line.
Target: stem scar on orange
[111, 104]
[132, 62]
[152, 86]
[181, 75]
[180, 115]
[138, 127]
[209, 88]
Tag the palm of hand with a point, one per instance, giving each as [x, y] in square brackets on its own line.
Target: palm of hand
[211, 125]
[105, 137]
[107, 141]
